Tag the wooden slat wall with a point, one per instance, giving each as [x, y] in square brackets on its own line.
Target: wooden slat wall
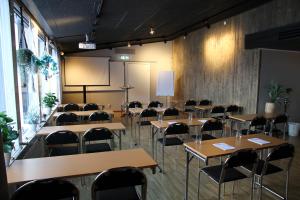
[212, 63]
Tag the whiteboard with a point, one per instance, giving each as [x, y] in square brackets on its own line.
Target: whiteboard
[87, 71]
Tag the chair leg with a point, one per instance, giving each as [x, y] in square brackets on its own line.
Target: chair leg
[260, 188]
[252, 186]
[163, 157]
[198, 188]
[286, 185]
[219, 191]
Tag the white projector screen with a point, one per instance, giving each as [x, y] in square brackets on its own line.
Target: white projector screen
[87, 71]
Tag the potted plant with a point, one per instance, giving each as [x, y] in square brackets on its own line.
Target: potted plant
[49, 101]
[24, 61]
[8, 135]
[33, 118]
[275, 92]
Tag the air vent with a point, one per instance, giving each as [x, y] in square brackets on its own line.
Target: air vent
[125, 51]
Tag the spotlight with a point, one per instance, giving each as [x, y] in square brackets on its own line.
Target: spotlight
[184, 36]
[62, 53]
[128, 44]
[152, 31]
[225, 23]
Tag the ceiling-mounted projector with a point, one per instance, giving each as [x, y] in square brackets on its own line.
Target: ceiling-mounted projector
[87, 44]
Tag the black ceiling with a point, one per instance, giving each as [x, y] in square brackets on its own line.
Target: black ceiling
[116, 22]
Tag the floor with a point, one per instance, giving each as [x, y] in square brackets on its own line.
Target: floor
[170, 185]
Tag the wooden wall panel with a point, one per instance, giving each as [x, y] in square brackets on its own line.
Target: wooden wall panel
[212, 63]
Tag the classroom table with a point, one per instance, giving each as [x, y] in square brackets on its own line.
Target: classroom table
[84, 113]
[76, 165]
[161, 125]
[249, 117]
[205, 108]
[118, 128]
[205, 150]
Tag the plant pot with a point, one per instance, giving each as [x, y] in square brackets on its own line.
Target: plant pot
[7, 157]
[270, 107]
[294, 129]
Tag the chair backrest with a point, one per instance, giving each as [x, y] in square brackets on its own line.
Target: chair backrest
[177, 128]
[135, 104]
[258, 121]
[71, 107]
[99, 116]
[241, 158]
[190, 102]
[155, 104]
[171, 112]
[62, 137]
[119, 178]
[50, 189]
[233, 109]
[282, 152]
[95, 134]
[66, 118]
[204, 102]
[148, 113]
[212, 125]
[280, 119]
[90, 106]
[218, 110]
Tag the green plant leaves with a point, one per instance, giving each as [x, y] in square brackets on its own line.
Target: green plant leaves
[50, 100]
[8, 133]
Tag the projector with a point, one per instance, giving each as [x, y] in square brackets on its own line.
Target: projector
[87, 44]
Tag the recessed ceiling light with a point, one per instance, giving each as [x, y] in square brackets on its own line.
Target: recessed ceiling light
[225, 22]
[128, 44]
[152, 31]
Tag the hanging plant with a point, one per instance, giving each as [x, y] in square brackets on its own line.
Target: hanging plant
[47, 64]
[24, 61]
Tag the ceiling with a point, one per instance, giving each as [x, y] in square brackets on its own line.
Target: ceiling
[112, 23]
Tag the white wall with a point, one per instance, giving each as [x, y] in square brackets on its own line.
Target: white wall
[160, 56]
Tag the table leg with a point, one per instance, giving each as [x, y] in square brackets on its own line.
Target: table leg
[120, 139]
[187, 175]
[152, 138]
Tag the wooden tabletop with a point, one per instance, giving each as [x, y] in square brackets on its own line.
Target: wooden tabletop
[76, 165]
[249, 117]
[80, 127]
[206, 107]
[137, 111]
[166, 123]
[206, 149]
[84, 113]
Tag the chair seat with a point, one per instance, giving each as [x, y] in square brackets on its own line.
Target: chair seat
[231, 174]
[204, 137]
[245, 131]
[270, 170]
[189, 110]
[124, 193]
[61, 151]
[144, 123]
[171, 141]
[99, 147]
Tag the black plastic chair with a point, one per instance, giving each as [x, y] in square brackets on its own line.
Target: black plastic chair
[205, 102]
[120, 183]
[155, 104]
[99, 116]
[171, 112]
[280, 119]
[90, 106]
[189, 105]
[71, 107]
[144, 119]
[170, 137]
[264, 167]
[49, 189]
[62, 143]
[96, 135]
[135, 104]
[257, 125]
[66, 118]
[218, 112]
[232, 109]
[227, 171]
[210, 127]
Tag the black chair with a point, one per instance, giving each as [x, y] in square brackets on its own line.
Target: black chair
[189, 105]
[264, 167]
[218, 112]
[227, 171]
[49, 189]
[66, 118]
[280, 119]
[135, 104]
[143, 119]
[71, 107]
[170, 137]
[205, 102]
[257, 125]
[232, 109]
[210, 127]
[99, 116]
[90, 106]
[171, 112]
[155, 104]
[120, 183]
[62, 143]
[96, 135]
